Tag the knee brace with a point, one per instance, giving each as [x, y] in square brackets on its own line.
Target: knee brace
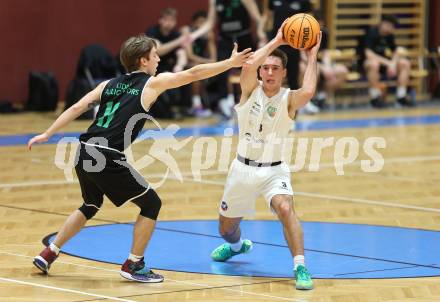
[89, 210]
[149, 203]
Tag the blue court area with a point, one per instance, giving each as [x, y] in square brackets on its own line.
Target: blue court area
[219, 129]
[333, 250]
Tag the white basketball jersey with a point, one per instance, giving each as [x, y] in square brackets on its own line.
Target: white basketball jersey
[263, 125]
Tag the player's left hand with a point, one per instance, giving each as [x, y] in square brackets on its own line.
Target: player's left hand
[313, 52]
[38, 139]
[237, 59]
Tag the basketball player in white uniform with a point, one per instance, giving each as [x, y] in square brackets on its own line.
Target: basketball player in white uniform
[265, 114]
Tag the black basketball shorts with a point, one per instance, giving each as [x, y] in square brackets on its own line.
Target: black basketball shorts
[106, 172]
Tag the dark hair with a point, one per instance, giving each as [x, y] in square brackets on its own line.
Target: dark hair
[199, 14]
[169, 11]
[318, 14]
[280, 54]
[134, 49]
[390, 18]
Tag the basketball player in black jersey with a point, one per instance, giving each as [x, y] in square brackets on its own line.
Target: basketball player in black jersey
[102, 168]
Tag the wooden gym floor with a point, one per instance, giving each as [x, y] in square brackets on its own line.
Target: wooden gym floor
[36, 198]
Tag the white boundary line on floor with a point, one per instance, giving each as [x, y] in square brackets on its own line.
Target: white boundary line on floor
[166, 279]
[343, 198]
[392, 177]
[63, 289]
[339, 198]
[406, 160]
[368, 201]
[314, 195]
[392, 160]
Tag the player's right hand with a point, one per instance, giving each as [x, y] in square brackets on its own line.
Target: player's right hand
[38, 139]
[239, 58]
[280, 35]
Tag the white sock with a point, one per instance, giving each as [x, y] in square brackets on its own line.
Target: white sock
[321, 95]
[54, 248]
[135, 258]
[297, 260]
[374, 93]
[196, 101]
[236, 246]
[401, 92]
[231, 99]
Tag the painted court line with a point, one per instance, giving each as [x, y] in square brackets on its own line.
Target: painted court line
[214, 172]
[343, 198]
[63, 289]
[22, 244]
[387, 161]
[397, 178]
[204, 286]
[36, 183]
[63, 262]
[314, 195]
[367, 201]
[321, 196]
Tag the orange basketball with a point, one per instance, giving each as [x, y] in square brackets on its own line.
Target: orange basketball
[301, 31]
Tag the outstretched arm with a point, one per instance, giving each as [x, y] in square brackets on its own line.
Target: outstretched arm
[298, 98]
[87, 102]
[163, 81]
[248, 77]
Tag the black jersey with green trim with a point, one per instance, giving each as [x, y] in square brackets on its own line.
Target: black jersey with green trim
[233, 17]
[120, 112]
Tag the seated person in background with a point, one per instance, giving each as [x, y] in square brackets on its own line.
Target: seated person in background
[379, 56]
[202, 50]
[173, 59]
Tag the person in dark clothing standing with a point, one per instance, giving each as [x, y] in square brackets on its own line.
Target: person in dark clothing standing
[379, 55]
[102, 168]
[233, 18]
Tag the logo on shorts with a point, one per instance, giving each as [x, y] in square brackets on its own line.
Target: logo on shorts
[283, 185]
[224, 206]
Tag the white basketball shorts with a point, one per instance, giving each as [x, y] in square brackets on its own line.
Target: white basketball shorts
[245, 183]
